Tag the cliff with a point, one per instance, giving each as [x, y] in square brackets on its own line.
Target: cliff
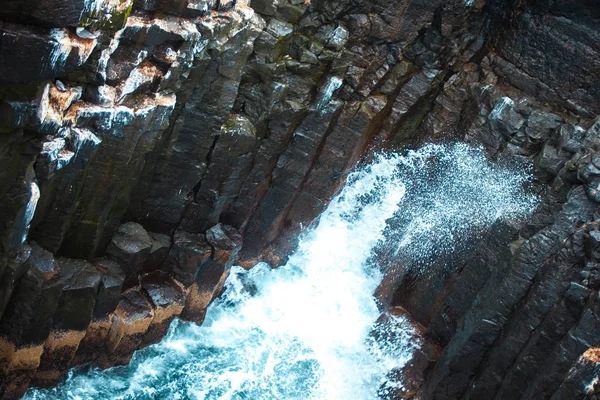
[149, 145]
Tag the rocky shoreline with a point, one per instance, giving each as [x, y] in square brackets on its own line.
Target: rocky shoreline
[147, 146]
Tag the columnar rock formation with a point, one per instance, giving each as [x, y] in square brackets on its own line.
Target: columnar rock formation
[143, 140]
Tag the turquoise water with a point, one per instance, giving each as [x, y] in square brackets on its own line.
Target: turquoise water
[302, 331]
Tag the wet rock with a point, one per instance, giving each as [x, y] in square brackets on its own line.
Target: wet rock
[569, 350]
[548, 78]
[226, 242]
[292, 167]
[188, 252]
[505, 118]
[208, 284]
[541, 124]
[95, 341]
[279, 29]
[212, 273]
[473, 339]
[131, 321]
[355, 126]
[396, 329]
[167, 297]
[130, 247]
[164, 195]
[10, 274]
[257, 183]
[201, 112]
[582, 379]
[230, 163]
[128, 134]
[27, 321]
[333, 37]
[161, 245]
[73, 314]
[20, 199]
[552, 160]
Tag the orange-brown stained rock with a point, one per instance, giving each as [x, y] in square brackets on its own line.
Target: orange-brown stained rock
[226, 242]
[94, 342]
[592, 355]
[17, 366]
[168, 298]
[59, 350]
[55, 103]
[131, 320]
[209, 284]
[27, 321]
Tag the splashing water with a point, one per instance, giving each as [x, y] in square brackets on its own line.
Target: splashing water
[454, 195]
[303, 331]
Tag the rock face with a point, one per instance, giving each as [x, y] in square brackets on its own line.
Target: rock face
[146, 146]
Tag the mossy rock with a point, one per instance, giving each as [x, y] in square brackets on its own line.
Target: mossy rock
[290, 13]
[113, 23]
[238, 125]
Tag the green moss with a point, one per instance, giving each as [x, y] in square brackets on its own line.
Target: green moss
[290, 13]
[281, 51]
[112, 24]
[236, 125]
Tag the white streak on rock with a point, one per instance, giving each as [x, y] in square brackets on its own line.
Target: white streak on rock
[34, 197]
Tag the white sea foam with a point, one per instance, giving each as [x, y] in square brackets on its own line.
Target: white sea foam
[303, 331]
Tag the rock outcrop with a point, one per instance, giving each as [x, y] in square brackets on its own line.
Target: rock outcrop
[146, 146]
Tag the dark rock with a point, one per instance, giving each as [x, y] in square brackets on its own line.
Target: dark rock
[167, 297]
[94, 343]
[388, 333]
[131, 321]
[188, 252]
[230, 163]
[581, 381]
[292, 167]
[161, 245]
[130, 247]
[27, 321]
[194, 116]
[541, 124]
[34, 54]
[208, 284]
[71, 319]
[226, 242]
